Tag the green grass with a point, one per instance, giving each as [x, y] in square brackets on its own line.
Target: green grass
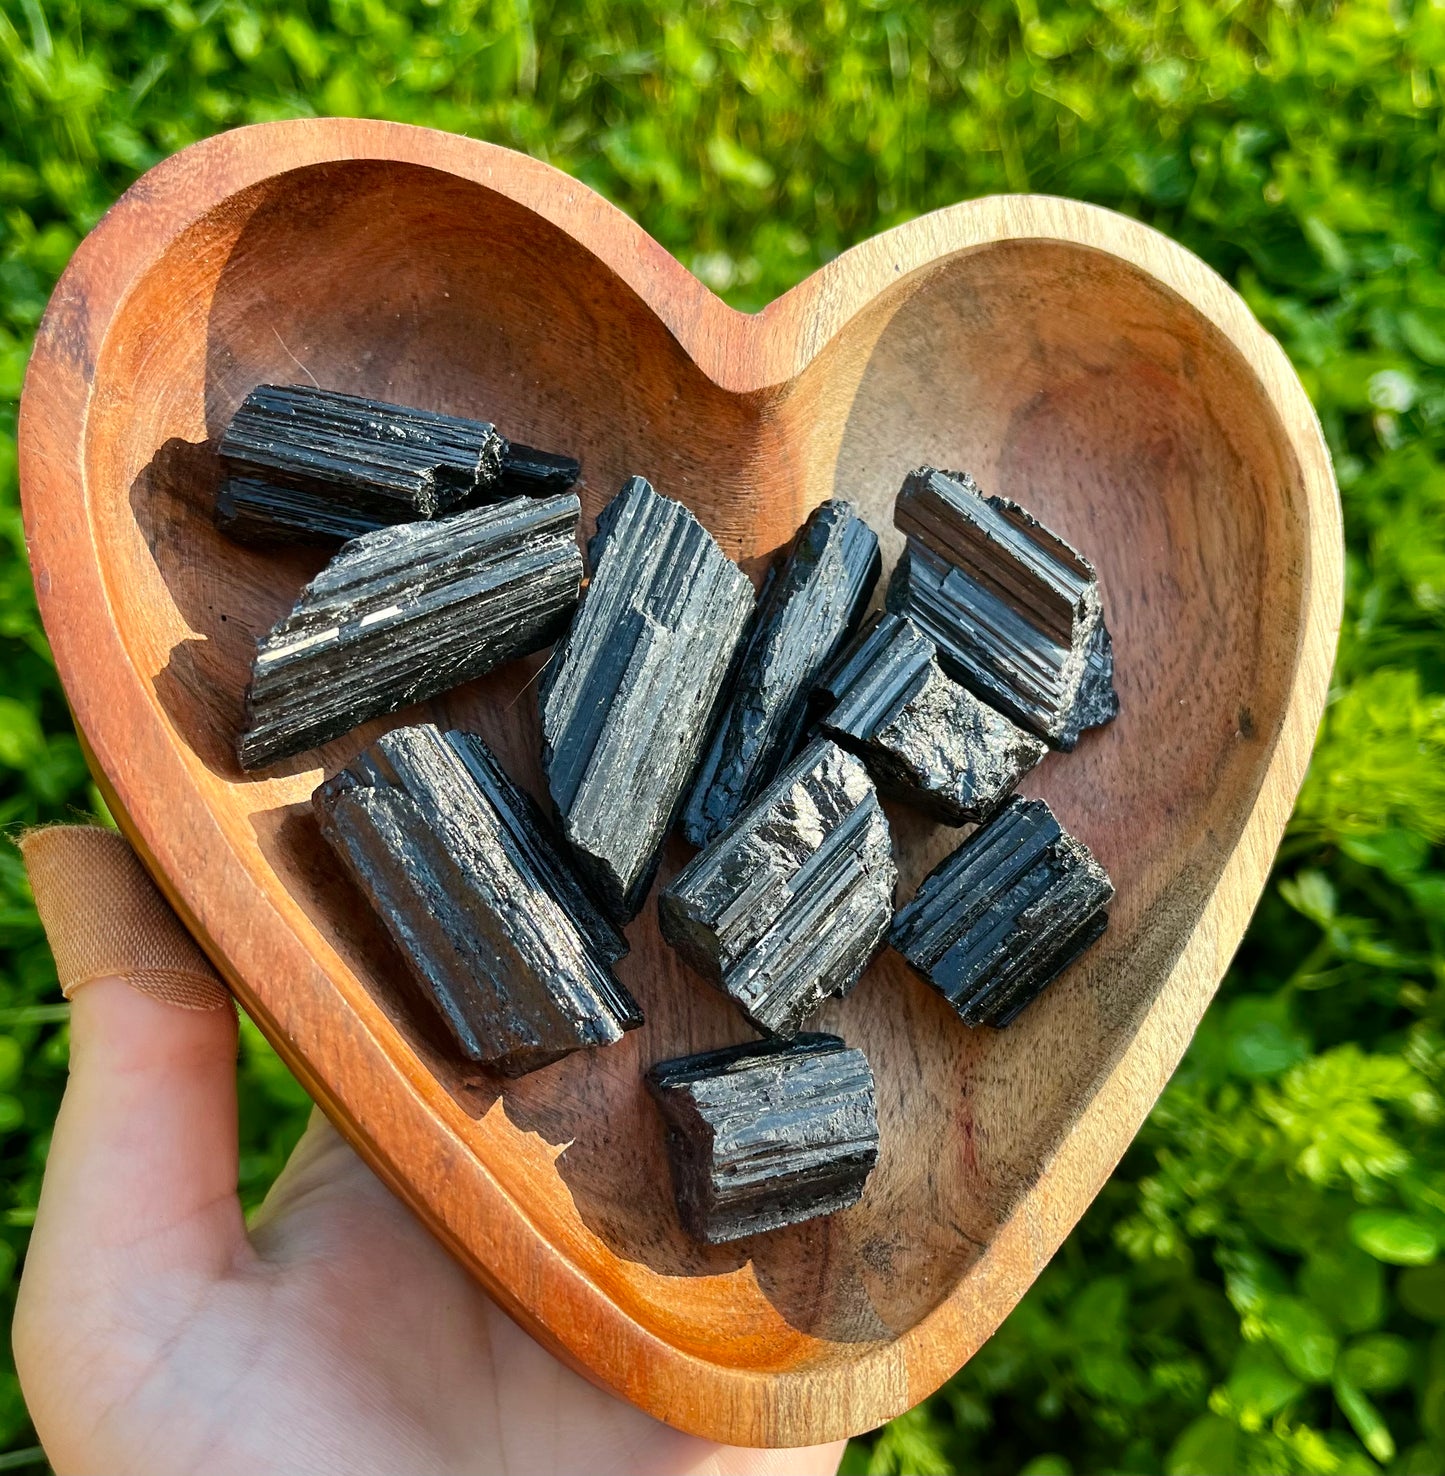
[1260, 1288]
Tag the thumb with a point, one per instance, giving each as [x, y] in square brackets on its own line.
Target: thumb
[142, 1165]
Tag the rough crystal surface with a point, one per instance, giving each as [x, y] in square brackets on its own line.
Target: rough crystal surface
[788, 906]
[528, 472]
[629, 695]
[1014, 611]
[925, 739]
[767, 1134]
[403, 613]
[806, 613]
[310, 465]
[464, 872]
[1005, 914]
[254, 510]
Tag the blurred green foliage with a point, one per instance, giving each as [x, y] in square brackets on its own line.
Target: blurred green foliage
[1261, 1286]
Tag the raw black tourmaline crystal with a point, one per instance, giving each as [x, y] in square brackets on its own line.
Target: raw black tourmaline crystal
[789, 905]
[311, 465]
[253, 510]
[1014, 611]
[1006, 913]
[630, 693]
[925, 739]
[404, 613]
[466, 875]
[806, 613]
[767, 1134]
[527, 472]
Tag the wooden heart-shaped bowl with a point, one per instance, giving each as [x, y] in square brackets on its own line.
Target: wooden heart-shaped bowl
[1069, 358]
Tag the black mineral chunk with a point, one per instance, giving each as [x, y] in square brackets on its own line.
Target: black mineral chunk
[253, 510]
[1014, 611]
[527, 472]
[404, 613]
[807, 612]
[789, 905]
[925, 739]
[467, 877]
[767, 1134]
[630, 693]
[305, 465]
[1006, 913]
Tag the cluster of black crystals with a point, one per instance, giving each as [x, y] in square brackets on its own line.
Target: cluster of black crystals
[767, 1134]
[306, 465]
[765, 728]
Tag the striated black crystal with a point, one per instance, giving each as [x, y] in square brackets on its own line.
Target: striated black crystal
[925, 739]
[806, 613]
[464, 872]
[403, 613]
[253, 510]
[1014, 611]
[527, 472]
[788, 906]
[767, 1134]
[1006, 913]
[310, 465]
[629, 695]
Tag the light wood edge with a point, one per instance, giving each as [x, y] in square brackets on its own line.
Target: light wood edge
[739, 1406]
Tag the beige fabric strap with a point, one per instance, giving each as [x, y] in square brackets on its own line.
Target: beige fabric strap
[106, 920]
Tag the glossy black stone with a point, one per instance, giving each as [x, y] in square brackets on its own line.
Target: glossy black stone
[527, 472]
[1015, 612]
[808, 610]
[767, 1134]
[789, 905]
[403, 613]
[925, 739]
[307, 465]
[629, 695]
[1005, 914]
[466, 875]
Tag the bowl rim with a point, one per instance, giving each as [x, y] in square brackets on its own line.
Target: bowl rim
[131, 753]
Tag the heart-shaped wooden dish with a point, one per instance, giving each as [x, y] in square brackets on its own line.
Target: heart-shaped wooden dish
[1068, 357]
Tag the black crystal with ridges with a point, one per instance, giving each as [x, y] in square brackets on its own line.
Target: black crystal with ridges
[806, 613]
[466, 875]
[403, 613]
[303, 465]
[789, 905]
[925, 739]
[527, 472]
[1005, 914]
[1015, 612]
[766, 1135]
[630, 694]
[253, 510]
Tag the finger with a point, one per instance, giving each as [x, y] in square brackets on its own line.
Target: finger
[143, 1161]
[144, 1157]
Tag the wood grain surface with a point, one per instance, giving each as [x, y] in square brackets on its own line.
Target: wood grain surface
[1069, 358]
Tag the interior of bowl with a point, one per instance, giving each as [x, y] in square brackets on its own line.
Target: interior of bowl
[1058, 375]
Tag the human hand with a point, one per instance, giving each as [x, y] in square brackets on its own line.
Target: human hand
[155, 1333]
